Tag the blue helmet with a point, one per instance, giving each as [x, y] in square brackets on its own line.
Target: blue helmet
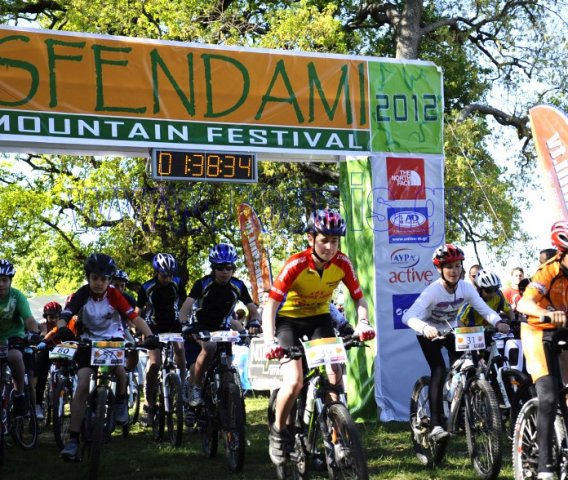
[7, 269]
[222, 253]
[164, 263]
[121, 275]
[326, 222]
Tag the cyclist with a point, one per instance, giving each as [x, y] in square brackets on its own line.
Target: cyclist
[119, 281]
[215, 297]
[437, 308]
[546, 294]
[160, 298]
[299, 304]
[15, 317]
[52, 314]
[100, 307]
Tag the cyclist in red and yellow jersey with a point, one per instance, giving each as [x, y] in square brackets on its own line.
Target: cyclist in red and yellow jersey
[298, 305]
[546, 294]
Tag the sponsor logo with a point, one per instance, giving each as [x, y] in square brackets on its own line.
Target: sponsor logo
[408, 225]
[410, 275]
[400, 304]
[405, 177]
[404, 258]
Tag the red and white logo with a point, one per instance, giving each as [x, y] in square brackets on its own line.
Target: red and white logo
[406, 179]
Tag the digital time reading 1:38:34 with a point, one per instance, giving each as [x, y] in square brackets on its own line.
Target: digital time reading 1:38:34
[202, 166]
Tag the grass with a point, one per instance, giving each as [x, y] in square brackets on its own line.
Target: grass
[388, 448]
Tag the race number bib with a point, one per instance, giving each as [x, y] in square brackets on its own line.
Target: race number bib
[469, 338]
[225, 336]
[63, 350]
[170, 337]
[107, 353]
[325, 351]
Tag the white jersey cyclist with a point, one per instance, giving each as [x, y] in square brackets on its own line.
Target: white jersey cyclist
[438, 308]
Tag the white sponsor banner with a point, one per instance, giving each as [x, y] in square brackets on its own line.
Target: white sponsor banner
[408, 223]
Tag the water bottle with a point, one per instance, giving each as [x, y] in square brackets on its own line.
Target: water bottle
[310, 400]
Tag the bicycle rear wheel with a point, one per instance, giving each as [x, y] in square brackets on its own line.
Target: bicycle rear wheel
[428, 452]
[24, 429]
[484, 430]
[174, 410]
[61, 401]
[233, 425]
[97, 434]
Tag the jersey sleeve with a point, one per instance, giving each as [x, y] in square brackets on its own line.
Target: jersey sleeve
[196, 290]
[245, 295]
[480, 306]
[292, 268]
[120, 303]
[350, 279]
[23, 306]
[417, 315]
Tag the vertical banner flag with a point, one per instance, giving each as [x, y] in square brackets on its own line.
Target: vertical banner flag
[394, 205]
[550, 132]
[256, 254]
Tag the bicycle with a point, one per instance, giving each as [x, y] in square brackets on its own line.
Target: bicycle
[133, 394]
[512, 387]
[167, 412]
[322, 426]
[23, 430]
[62, 377]
[223, 407]
[525, 447]
[470, 404]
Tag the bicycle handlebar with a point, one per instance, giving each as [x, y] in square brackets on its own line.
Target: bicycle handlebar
[349, 341]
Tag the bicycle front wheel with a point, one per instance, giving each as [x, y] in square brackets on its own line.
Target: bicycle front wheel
[97, 434]
[24, 429]
[174, 410]
[484, 429]
[207, 424]
[525, 447]
[61, 401]
[232, 415]
[428, 452]
[134, 393]
[347, 459]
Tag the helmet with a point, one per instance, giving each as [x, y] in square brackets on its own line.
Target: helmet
[100, 264]
[487, 279]
[326, 222]
[121, 275]
[7, 269]
[222, 253]
[446, 254]
[559, 235]
[51, 308]
[164, 263]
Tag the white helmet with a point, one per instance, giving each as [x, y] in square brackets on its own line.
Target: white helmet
[487, 279]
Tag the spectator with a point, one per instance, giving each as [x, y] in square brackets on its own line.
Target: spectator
[473, 272]
[512, 293]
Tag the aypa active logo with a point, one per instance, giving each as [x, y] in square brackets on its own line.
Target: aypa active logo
[408, 225]
[405, 260]
[405, 178]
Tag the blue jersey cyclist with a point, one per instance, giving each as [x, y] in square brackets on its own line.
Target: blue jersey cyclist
[99, 307]
[160, 298]
[15, 318]
[214, 298]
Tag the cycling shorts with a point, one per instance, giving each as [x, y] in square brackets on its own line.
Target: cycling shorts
[538, 348]
[289, 331]
[172, 327]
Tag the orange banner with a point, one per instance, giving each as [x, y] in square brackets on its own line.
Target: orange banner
[256, 254]
[65, 72]
[550, 132]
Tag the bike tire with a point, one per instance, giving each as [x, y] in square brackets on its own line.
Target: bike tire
[134, 397]
[428, 452]
[24, 430]
[207, 424]
[525, 447]
[174, 410]
[98, 433]
[348, 458]
[484, 430]
[232, 413]
[61, 405]
[2, 449]
[158, 417]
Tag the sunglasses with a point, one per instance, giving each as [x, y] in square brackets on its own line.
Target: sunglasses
[225, 268]
[491, 290]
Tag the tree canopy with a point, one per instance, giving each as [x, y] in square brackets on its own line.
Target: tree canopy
[54, 210]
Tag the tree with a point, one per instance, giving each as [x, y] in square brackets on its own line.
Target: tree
[481, 44]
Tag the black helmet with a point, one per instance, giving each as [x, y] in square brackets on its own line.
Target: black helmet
[100, 264]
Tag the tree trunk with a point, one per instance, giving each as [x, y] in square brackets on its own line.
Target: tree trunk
[408, 33]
